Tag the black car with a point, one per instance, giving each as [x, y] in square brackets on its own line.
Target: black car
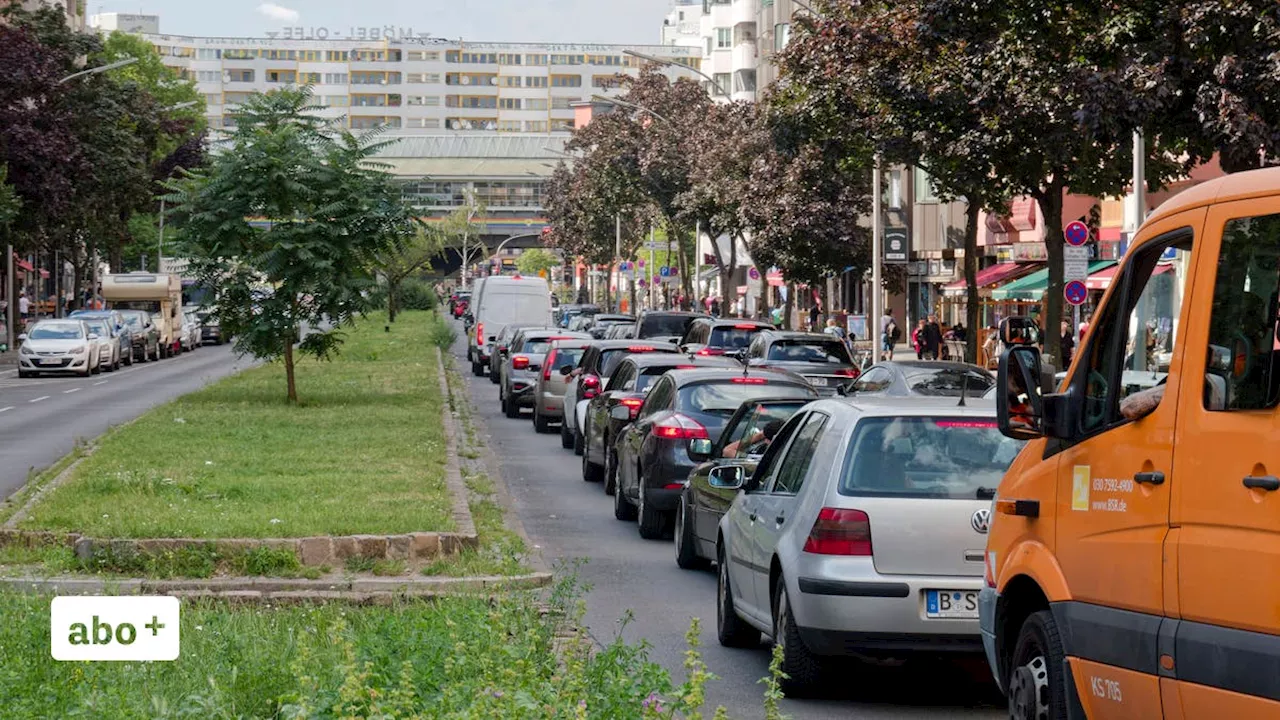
[627, 387]
[822, 359]
[653, 456]
[929, 378]
[597, 364]
[665, 325]
[702, 503]
[144, 334]
[601, 323]
[711, 336]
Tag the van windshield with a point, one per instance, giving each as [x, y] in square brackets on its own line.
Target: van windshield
[926, 457]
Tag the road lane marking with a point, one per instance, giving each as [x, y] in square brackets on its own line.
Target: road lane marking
[101, 382]
[6, 409]
[45, 397]
[68, 392]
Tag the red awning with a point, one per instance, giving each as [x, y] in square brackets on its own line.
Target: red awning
[1101, 280]
[993, 275]
[23, 264]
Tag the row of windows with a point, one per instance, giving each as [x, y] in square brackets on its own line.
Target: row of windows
[493, 124]
[444, 193]
[396, 100]
[451, 56]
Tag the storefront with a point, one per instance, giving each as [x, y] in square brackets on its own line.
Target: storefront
[955, 295]
[1025, 295]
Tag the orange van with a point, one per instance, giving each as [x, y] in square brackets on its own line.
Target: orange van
[1133, 563]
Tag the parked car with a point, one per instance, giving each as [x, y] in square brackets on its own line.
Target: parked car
[727, 336]
[743, 442]
[501, 345]
[58, 346]
[861, 531]
[107, 340]
[566, 313]
[210, 327]
[113, 321]
[627, 386]
[457, 302]
[548, 394]
[652, 452]
[822, 359]
[928, 378]
[190, 331]
[520, 369]
[664, 325]
[590, 376]
[602, 322]
[499, 302]
[144, 334]
[620, 331]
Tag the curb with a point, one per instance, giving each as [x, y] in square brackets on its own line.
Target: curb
[453, 468]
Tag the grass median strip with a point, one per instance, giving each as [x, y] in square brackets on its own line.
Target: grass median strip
[363, 453]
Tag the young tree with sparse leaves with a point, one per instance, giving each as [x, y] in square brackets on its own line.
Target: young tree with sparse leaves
[331, 217]
[536, 261]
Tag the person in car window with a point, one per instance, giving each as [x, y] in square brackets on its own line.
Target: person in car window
[756, 444]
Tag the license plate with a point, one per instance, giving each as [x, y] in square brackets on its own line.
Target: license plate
[818, 381]
[49, 362]
[951, 604]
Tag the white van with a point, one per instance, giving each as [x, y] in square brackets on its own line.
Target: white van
[500, 302]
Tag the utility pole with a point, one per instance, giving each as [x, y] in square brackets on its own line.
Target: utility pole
[616, 279]
[877, 257]
[160, 241]
[651, 280]
[1139, 179]
[11, 297]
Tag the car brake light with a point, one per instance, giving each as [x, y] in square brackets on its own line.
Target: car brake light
[840, 532]
[480, 334]
[640, 349]
[686, 367]
[591, 386]
[633, 402]
[679, 427]
[750, 381]
[745, 326]
[519, 362]
[673, 486]
[848, 372]
[711, 351]
[548, 364]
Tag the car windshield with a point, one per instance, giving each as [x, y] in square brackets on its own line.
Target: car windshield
[133, 321]
[733, 337]
[926, 457]
[609, 359]
[832, 352]
[723, 397]
[57, 331]
[98, 326]
[664, 325]
[947, 381]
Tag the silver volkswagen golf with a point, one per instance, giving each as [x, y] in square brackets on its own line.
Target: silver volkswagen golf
[861, 532]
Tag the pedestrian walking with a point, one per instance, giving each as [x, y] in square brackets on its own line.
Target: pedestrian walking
[1068, 344]
[932, 338]
[890, 334]
[834, 329]
[24, 306]
[917, 339]
[815, 314]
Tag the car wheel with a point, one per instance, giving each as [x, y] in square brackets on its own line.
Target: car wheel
[95, 368]
[494, 376]
[622, 507]
[128, 359]
[579, 442]
[86, 372]
[687, 556]
[652, 522]
[731, 630]
[540, 424]
[801, 669]
[1037, 687]
[610, 471]
[591, 472]
[566, 437]
[513, 408]
[23, 374]
[476, 368]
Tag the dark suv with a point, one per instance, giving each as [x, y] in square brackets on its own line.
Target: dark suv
[709, 336]
[665, 325]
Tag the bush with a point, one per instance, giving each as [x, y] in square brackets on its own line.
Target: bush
[415, 294]
[441, 334]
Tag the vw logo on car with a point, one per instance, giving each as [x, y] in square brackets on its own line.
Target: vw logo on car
[981, 521]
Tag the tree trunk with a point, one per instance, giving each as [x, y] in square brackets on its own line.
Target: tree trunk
[1051, 207]
[789, 305]
[973, 310]
[393, 288]
[288, 366]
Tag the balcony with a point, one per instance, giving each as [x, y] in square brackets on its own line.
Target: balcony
[745, 56]
[744, 11]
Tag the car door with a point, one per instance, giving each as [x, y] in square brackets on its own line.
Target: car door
[711, 503]
[1226, 504]
[655, 406]
[776, 503]
[1115, 472]
[600, 406]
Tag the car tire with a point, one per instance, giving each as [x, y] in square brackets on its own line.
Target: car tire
[494, 376]
[540, 424]
[622, 507]
[128, 359]
[610, 471]
[802, 670]
[651, 522]
[23, 374]
[95, 369]
[687, 556]
[86, 372]
[731, 630]
[512, 408]
[579, 442]
[591, 472]
[476, 368]
[1037, 664]
[566, 437]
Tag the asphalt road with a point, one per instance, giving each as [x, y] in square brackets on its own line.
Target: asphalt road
[571, 520]
[41, 418]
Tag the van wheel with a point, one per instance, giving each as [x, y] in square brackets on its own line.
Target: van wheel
[731, 630]
[802, 671]
[1037, 687]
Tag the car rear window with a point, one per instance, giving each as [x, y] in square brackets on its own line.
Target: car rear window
[538, 345]
[664, 325]
[609, 359]
[832, 352]
[723, 397]
[947, 382]
[568, 356]
[926, 457]
[733, 338]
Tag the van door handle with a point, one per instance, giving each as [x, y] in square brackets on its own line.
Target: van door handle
[1150, 478]
[1270, 483]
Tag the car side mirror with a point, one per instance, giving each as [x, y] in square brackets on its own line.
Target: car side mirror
[1020, 412]
[727, 477]
[700, 450]
[620, 412]
[22, 337]
[566, 370]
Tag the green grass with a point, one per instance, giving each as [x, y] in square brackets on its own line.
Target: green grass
[501, 550]
[364, 452]
[455, 658]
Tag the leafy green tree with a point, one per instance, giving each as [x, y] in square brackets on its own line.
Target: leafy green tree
[461, 234]
[536, 261]
[10, 203]
[184, 105]
[332, 216]
[399, 263]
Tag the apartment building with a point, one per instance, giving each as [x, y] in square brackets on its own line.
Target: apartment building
[74, 9]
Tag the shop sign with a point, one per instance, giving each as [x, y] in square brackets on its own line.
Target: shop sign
[897, 245]
[1022, 252]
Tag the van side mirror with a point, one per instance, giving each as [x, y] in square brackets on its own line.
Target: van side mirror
[1020, 410]
[727, 477]
[700, 450]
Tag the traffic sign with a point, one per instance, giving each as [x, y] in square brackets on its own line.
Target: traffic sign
[1077, 233]
[753, 273]
[664, 271]
[1075, 263]
[1075, 292]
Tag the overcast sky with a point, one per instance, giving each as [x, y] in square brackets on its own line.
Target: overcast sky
[557, 21]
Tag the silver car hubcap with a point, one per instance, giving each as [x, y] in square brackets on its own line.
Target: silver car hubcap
[1029, 690]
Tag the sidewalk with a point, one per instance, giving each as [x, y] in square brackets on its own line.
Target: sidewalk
[8, 360]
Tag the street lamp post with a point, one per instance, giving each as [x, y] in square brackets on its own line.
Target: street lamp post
[99, 69]
[877, 256]
[670, 63]
[625, 104]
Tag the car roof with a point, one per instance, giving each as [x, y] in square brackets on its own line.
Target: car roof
[796, 335]
[729, 322]
[1236, 186]
[975, 406]
[684, 377]
[572, 343]
[554, 332]
[678, 313]
[643, 360]
[930, 365]
[622, 343]
[612, 316]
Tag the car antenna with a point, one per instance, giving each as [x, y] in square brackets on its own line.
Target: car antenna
[964, 390]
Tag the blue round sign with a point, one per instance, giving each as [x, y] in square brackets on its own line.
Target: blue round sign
[1075, 292]
[1077, 234]
[664, 271]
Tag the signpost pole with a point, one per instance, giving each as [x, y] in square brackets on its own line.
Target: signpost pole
[877, 258]
[650, 269]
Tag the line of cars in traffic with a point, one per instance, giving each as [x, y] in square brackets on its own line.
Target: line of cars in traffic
[91, 341]
[845, 511]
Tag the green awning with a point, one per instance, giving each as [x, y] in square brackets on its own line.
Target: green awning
[1031, 288]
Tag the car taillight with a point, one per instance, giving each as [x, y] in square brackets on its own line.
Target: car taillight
[549, 363]
[633, 404]
[711, 351]
[848, 372]
[519, 362]
[750, 381]
[686, 367]
[745, 326]
[840, 532]
[679, 427]
[480, 334]
[590, 386]
[640, 349]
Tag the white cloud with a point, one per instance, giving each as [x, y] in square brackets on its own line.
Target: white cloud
[278, 12]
